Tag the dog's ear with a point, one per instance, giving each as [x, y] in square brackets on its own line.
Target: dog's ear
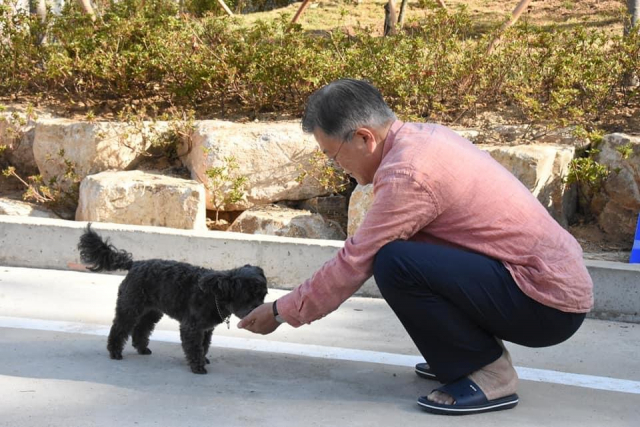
[225, 287]
[208, 282]
[216, 283]
[256, 267]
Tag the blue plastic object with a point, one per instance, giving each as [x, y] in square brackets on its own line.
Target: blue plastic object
[635, 251]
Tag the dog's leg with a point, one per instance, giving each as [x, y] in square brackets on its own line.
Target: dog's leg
[123, 323]
[206, 342]
[143, 329]
[129, 307]
[192, 338]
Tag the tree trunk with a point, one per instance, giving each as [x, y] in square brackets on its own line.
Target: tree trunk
[521, 7]
[633, 6]
[403, 5]
[301, 9]
[390, 18]
[86, 7]
[40, 10]
[225, 7]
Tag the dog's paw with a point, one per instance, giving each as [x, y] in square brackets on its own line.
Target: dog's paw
[206, 361]
[198, 370]
[115, 356]
[144, 351]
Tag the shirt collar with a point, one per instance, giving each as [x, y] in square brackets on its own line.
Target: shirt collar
[391, 136]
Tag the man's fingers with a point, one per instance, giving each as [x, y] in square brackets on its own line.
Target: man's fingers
[247, 320]
[259, 321]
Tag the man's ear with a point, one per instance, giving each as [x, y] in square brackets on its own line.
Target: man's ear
[365, 136]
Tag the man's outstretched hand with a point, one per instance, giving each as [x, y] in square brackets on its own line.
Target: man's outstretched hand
[260, 320]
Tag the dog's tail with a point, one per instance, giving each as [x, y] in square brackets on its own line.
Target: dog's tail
[99, 255]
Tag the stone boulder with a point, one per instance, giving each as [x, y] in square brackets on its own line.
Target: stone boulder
[509, 134]
[280, 221]
[17, 133]
[87, 147]
[268, 154]
[359, 204]
[560, 136]
[9, 184]
[470, 134]
[541, 168]
[333, 207]
[19, 208]
[618, 204]
[142, 198]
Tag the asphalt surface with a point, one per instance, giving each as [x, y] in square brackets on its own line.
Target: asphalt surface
[353, 368]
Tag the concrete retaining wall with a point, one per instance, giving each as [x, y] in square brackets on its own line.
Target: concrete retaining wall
[51, 243]
[616, 290]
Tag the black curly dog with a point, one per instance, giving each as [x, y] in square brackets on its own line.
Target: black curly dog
[197, 297]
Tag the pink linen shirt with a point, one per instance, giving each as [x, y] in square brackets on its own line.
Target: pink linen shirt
[433, 185]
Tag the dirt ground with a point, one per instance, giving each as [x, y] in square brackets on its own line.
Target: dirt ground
[596, 245]
[327, 15]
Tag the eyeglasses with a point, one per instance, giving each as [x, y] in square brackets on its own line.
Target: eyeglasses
[335, 156]
[346, 138]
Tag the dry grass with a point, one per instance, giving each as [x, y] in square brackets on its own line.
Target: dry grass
[328, 15]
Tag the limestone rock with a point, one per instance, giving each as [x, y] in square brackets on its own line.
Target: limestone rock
[268, 154]
[470, 134]
[618, 204]
[279, 221]
[509, 134]
[560, 136]
[87, 147]
[9, 184]
[542, 169]
[17, 133]
[20, 208]
[142, 198]
[359, 204]
[332, 207]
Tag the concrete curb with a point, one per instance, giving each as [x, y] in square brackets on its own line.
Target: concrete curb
[51, 243]
[616, 288]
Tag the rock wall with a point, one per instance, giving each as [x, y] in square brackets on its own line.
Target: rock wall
[103, 156]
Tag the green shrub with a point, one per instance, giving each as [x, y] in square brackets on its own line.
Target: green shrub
[225, 185]
[325, 172]
[434, 70]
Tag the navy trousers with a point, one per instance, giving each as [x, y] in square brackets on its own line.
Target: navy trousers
[454, 304]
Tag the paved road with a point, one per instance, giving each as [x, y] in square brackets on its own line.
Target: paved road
[353, 368]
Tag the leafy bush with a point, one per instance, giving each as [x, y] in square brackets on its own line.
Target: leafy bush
[225, 184]
[61, 199]
[148, 52]
[324, 172]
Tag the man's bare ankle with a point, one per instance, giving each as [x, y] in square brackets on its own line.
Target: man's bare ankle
[497, 379]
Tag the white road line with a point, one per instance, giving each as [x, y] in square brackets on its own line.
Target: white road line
[324, 352]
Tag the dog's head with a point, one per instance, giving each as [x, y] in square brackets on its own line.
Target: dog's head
[240, 290]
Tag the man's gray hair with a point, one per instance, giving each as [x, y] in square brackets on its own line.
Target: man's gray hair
[342, 106]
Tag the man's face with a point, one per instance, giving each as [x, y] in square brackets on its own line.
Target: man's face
[351, 156]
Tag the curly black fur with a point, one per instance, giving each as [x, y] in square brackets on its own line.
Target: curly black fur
[184, 292]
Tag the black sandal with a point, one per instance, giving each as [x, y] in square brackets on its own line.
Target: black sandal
[424, 371]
